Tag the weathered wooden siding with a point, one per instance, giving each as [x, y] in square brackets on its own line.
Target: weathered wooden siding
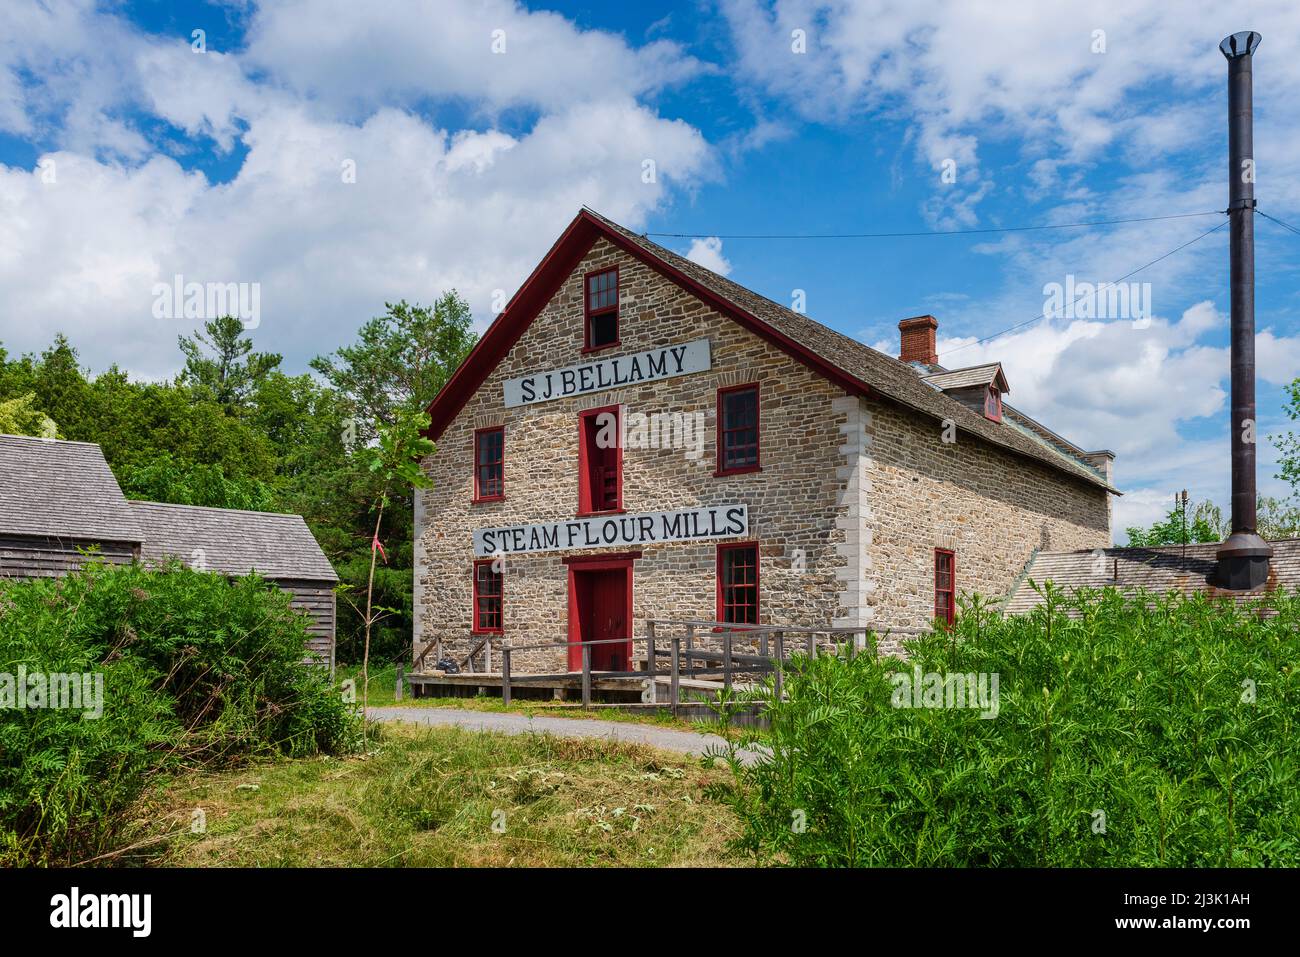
[316, 600]
[31, 557]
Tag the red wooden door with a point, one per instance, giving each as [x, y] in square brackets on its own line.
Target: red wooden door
[603, 615]
[609, 619]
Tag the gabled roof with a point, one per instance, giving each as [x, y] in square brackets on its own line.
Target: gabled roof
[988, 374]
[56, 489]
[854, 366]
[232, 542]
[1164, 569]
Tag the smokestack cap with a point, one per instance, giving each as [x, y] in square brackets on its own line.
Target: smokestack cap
[1244, 43]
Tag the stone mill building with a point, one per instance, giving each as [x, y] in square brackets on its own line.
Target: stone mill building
[638, 437]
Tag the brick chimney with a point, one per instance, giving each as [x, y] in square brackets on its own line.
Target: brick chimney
[916, 337]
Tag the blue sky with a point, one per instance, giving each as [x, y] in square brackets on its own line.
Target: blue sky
[127, 156]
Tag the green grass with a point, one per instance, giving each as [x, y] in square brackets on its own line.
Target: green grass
[430, 797]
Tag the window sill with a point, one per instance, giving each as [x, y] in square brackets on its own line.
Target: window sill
[722, 473]
[608, 511]
[488, 500]
[587, 350]
[484, 634]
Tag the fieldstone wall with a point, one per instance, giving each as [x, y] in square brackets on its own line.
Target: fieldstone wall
[990, 507]
[792, 513]
[853, 497]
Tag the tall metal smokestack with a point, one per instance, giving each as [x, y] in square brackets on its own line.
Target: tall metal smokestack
[1243, 558]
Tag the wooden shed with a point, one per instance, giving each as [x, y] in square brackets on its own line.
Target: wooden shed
[225, 541]
[56, 500]
[59, 499]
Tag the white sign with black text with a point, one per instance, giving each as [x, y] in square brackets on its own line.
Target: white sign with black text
[610, 373]
[602, 531]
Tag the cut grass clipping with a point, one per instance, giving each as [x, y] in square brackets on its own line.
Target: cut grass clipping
[448, 797]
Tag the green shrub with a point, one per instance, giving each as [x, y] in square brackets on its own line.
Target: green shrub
[196, 670]
[1156, 731]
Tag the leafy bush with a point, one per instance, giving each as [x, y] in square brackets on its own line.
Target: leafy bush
[1148, 731]
[196, 670]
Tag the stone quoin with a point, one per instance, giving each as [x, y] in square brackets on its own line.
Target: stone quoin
[838, 485]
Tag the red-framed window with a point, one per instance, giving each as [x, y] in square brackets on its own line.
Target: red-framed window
[487, 596]
[600, 307]
[945, 585]
[489, 464]
[738, 429]
[738, 583]
[993, 404]
[600, 460]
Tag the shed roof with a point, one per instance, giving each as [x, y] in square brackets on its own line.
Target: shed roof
[51, 488]
[855, 366]
[1164, 569]
[233, 542]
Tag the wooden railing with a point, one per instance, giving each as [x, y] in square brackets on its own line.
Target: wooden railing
[684, 654]
[466, 663]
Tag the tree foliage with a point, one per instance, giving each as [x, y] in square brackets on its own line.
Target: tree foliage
[1204, 523]
[18, 416]
[400, 359]
[220, 362]
[235, 431]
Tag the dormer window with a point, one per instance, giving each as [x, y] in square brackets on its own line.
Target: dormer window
[979, 388]
[993, 404]
[601, 309]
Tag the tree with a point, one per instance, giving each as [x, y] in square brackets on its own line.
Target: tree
[20, 417]
[166, 480]
[400, 360]
[1288, 446]
[1201, 525]
[1276, 519]
[233, 372]
[394, 459]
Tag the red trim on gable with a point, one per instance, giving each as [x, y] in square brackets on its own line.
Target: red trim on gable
[558, 264]
[537, 290]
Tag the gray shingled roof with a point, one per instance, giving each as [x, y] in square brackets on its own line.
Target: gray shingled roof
[890, 377]
[968, 377]
[56, 489]
[1162, 569]
[233, 542]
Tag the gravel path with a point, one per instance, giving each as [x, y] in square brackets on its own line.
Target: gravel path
[669, 739]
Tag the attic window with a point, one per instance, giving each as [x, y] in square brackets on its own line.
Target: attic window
[601, 309]
[993, 404]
